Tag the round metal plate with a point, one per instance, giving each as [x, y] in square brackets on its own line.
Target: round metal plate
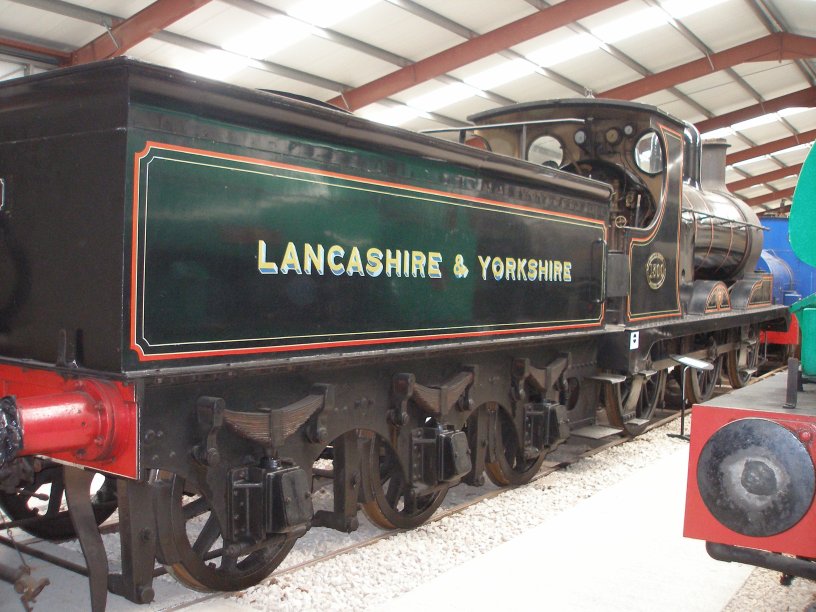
[756, 477]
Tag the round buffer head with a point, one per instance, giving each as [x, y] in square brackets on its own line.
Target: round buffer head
[756, 477]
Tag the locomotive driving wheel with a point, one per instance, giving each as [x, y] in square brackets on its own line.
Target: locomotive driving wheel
[742, 362]
[512, 464]
[394, 503]
[190, 538]
[48, 518]
[700, 384]
[630, 405]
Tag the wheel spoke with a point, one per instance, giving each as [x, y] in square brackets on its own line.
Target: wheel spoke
[194, 563]
[700, 384]
[195, 508]
[742, 362]
[209, 535]
[392, 503]
[393, 492]
[512, 465]
[630, 405]
[54, 523]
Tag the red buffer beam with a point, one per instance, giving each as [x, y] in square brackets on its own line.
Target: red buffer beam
[90, 422]
[772, 47]
[472, 50]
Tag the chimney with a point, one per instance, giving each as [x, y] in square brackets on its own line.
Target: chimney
[712, 166]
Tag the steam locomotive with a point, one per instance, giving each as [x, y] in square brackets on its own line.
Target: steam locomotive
[209, 294]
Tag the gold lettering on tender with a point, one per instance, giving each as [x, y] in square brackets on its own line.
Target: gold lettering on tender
[434, 259]
[355, 263]
[418, 264]
[485, 262]
[336, 252]
[290, 260]
[313, 258]
[374, 266]
[556, 275]
[532, 269]
[521, 266]
[498, 268]
[264, 266]
[567, 271]
[393, 263]
[543, 273]
[510, 268]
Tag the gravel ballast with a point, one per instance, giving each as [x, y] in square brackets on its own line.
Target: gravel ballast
[375, 574]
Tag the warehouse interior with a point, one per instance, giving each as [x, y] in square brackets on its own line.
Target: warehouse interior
[743, 70]
[603, 529]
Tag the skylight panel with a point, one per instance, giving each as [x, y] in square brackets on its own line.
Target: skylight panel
[799, 147]
[215, 64]
[631, 25]
[557, 53]
[793, 110]
[268, 37]
[683, 8]
[501, 74]
[755, 122]
[325, 13]
[724, 132]
[444, 96]
[748, 162]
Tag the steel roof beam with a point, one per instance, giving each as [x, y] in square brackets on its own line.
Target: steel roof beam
[773, 22]
[267, 12]
[31, 50]
[92, 16]
[468, 34]
[767, 177]
[771, 147]
[692, 38]
[770, 197]
[630, 63]
[472, 50]
[772, 47]
[803, 97]
[125, 35]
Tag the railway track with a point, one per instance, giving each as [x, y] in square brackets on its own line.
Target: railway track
[459, 500]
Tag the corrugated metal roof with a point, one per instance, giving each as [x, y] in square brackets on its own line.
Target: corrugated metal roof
[324, 48]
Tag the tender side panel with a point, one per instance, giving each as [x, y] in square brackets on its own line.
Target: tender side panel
[239, 253]
[61, 222]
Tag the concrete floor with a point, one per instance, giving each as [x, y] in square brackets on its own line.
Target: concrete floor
[630, 555]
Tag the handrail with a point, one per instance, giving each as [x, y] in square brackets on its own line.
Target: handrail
[725, 220]
[488, 126]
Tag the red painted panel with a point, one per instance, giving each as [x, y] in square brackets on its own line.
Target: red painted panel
[32, 388]
[701, 524]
